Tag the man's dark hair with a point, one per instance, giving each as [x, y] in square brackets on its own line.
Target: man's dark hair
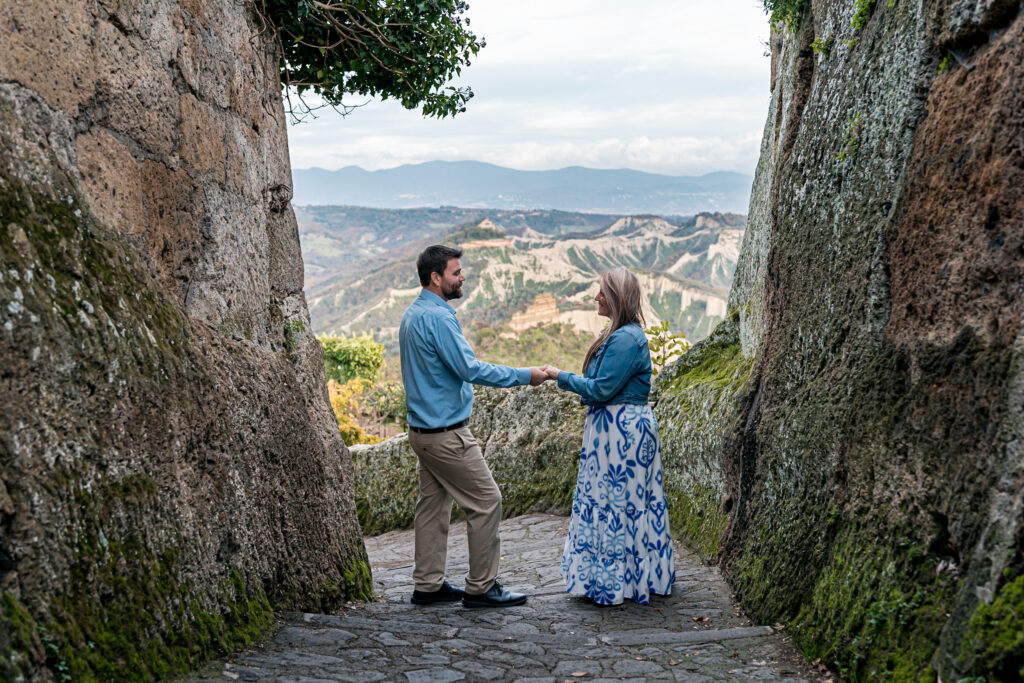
[434, 259]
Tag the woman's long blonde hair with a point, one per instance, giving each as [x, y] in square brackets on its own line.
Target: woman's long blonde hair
[622, 292]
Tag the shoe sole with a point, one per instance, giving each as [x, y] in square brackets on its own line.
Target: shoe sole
[416, 601]
[476, 604]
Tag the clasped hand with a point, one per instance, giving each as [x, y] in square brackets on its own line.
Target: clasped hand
[543, 374]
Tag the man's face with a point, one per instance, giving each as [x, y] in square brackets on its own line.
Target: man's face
[452, 279]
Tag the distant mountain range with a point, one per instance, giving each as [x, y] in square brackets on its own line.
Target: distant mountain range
[472, 184]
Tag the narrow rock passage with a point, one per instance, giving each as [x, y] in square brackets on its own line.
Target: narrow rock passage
[697, 634]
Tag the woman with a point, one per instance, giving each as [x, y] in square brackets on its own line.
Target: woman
[618, 545]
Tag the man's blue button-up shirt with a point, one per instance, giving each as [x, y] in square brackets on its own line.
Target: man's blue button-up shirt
[439, 367]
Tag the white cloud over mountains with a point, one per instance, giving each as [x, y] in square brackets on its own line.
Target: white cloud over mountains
[669, 86]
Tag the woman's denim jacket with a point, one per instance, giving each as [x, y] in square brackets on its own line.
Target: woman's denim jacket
[619, 372]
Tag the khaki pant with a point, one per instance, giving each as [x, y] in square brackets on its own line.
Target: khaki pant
[452, 466]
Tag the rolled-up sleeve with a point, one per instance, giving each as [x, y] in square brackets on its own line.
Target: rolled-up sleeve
[620, 356]
[456, 353]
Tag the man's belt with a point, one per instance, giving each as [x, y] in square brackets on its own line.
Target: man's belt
[438, 430]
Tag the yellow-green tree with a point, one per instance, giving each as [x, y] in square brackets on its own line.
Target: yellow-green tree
[366, 404]
[345, 400]
[666, 346]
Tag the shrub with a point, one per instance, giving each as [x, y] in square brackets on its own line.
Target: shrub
[788, 12]
[346, 358]
[345, 400]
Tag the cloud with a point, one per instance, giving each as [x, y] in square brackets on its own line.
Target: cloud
[665, 85]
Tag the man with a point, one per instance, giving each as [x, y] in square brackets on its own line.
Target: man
[438, 370]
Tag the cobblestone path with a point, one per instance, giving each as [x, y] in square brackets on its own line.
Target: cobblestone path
[697, 634]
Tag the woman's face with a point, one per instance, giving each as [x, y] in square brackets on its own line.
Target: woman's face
[602, 304]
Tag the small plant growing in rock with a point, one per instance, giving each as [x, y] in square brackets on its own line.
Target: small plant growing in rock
[665, 346]
[823, 46]
[862, 12]
[292, 329]
[852, 135]
[788, 12]
[946, 63]
[57, 664]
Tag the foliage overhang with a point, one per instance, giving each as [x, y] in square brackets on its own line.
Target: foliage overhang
[407, 50]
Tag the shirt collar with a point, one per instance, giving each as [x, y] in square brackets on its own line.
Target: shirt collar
[429, 297]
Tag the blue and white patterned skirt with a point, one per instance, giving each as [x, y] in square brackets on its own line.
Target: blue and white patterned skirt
[619, 545]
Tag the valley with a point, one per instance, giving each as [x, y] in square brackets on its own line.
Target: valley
[524, 269]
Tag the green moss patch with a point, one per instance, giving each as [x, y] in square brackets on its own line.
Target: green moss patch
[721, 366]
[132, 613]
[994, 645]
[877, 608]
[20, 646]
[358, 581]
[696, 409]
[697, 519]
[144, 622]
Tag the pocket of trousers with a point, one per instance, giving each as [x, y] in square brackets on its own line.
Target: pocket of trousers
[466, 438]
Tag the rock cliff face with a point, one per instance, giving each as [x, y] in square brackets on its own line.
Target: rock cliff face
[169, 464]
[871, 472]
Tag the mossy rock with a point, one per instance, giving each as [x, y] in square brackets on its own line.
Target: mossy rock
[696, 406]
[994, 645]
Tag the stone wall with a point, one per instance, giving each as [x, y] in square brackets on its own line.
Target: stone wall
[871, 473]
[170, 468]
[530, 436]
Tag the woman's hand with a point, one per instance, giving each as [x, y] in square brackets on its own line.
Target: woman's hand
[552, 371]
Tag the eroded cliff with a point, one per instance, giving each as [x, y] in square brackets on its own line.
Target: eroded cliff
[170, 467]
[871, 474]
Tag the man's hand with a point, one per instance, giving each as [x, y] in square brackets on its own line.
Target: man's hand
[538, 377]
[551, 371]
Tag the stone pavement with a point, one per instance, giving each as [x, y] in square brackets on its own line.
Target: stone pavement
[696, 634]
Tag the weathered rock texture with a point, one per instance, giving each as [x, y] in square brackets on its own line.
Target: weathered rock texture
[695, 401]
[531, 438]
[169, 465]
[872, 472]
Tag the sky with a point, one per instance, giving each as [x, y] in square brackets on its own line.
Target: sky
[664, 86]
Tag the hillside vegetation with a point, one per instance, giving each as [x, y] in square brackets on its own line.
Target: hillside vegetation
[685, 266]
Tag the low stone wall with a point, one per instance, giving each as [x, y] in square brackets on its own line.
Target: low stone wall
[531, 440]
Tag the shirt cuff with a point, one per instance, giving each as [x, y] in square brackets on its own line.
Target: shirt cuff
[524, 375]
[563, 379]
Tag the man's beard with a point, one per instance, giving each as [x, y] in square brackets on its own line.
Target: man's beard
[455, 292]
